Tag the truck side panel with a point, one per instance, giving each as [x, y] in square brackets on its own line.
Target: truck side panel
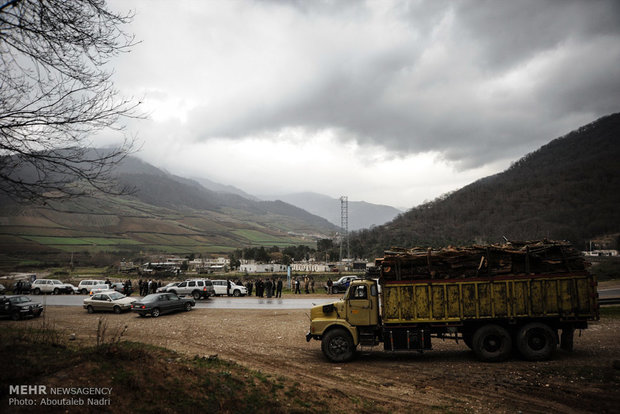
[448, 301]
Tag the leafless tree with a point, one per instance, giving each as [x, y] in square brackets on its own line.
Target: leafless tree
[55, 93]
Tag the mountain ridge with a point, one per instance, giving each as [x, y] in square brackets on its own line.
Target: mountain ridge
[567, 189]
[361, 214]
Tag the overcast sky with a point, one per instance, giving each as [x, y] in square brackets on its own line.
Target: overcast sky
[390, 102]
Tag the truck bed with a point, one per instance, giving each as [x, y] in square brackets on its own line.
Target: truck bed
[562, 296]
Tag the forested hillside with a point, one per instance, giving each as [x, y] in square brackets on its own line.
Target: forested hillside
[568, 189]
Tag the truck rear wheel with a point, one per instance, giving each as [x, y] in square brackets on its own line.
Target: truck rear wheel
[337, 345]
[536, 341]
[492, 343]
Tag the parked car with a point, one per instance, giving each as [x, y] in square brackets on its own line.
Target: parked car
[120, 287]
[108, 301]
[54, 286]
[85, 286]
[159, 303]
[18, 307]
[167, 287]
[341, 285]
[100, 289]
[197, 288]
[221, 288]
[73, 288]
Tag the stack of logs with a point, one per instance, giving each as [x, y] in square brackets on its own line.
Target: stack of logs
[526, 258]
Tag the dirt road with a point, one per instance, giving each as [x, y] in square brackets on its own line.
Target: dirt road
[447, 379]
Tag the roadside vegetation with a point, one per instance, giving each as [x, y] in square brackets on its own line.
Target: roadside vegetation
[143, 378]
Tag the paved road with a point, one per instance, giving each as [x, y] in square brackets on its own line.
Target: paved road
[606, 296]
[609, 296]
[213, 303]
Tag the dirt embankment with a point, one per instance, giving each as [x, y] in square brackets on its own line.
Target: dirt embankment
[448, 378]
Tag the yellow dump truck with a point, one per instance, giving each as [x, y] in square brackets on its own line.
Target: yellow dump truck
[492, 309]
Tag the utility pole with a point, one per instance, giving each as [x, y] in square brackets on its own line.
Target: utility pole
[344, 225]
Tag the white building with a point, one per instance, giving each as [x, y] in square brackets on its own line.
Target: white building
[251, 267]
[309, 267]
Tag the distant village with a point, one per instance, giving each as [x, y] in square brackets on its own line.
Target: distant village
[177, 265]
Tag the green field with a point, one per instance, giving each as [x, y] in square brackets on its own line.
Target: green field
[95, 241]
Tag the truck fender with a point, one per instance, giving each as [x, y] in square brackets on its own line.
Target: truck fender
[351, 329]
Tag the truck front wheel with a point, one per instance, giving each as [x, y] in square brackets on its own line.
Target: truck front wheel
[492, 343]
[337, 345]
[536, 341]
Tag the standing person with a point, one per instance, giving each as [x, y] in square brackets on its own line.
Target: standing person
[306, 284]
[330, 285]
[312, 283]
[140, 287]
[279, 288]
[249, 286]
[227, 287]
[297, 290]
[268, 287]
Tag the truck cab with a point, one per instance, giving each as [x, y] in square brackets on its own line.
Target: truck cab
[343, 324]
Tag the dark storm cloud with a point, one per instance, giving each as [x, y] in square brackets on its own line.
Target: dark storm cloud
[475, 81]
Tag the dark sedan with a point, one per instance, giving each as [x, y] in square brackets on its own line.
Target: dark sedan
[160, 303]
[18, 307]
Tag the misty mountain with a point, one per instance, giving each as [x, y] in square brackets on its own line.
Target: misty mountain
[223, 188]
[567, 189]
[163, 213]
[360, 213]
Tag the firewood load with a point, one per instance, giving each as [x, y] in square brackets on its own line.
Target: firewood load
[512, 258]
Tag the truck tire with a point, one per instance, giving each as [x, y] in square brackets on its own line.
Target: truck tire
[536, 341]
[337, 345]
[196, 294]
[56, 291]
[236, 293]
[492, 343]
[37, 291]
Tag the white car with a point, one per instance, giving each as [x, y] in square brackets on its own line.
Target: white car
[86, 286]
[54, 286]
[100, 289]
[235, 290]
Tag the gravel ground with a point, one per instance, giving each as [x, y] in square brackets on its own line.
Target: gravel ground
[448, 378]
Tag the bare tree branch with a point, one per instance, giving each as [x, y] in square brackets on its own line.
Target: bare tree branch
[55, 94]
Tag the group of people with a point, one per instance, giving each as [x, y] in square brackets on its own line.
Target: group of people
[147, 287]
[307, 281]
[269, 287]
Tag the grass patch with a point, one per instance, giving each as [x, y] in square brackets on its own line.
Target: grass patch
[144, 378]
[610, 311]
